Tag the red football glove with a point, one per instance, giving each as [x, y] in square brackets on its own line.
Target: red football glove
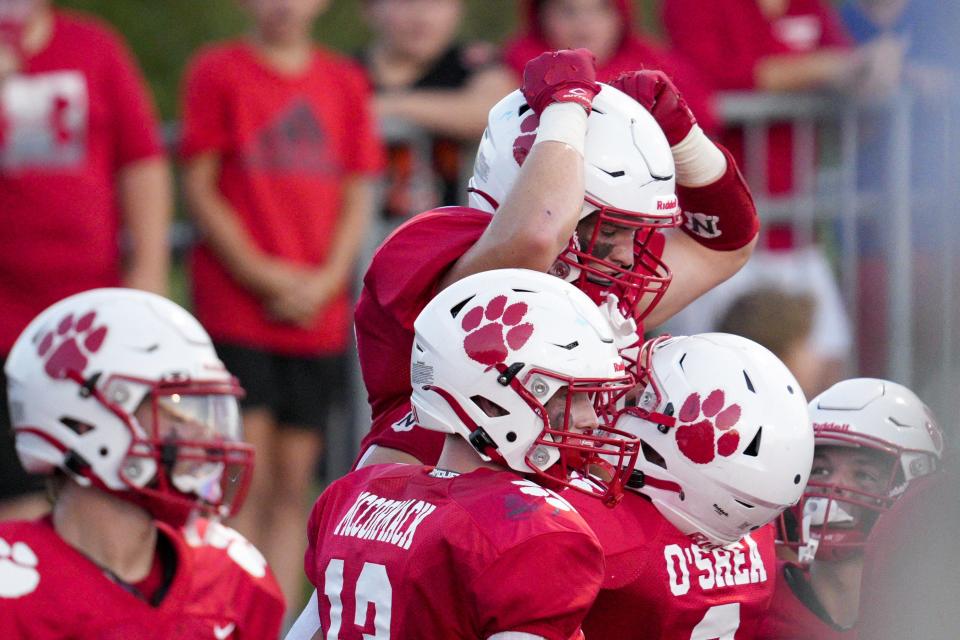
[560, 76]
[657, 93]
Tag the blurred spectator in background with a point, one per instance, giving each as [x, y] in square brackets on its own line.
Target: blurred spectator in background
[779, 46]
[425, 79]
[782, 322]
[605, 27]
[280, 152]
[80, 162]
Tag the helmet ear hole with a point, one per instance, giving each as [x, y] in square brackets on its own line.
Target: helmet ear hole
[79, 427]
[491, 408]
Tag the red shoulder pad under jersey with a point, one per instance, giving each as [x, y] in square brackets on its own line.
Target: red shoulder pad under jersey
[230, 569]
[722, 215]
[431, 554]
[406, 269]
[40, 574]
[403, 276]
[660, 585]
[789, 618]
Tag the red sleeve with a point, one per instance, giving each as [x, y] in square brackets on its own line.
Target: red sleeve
[313, 535]
[263, 613]
[533, 600]
[134, 117]
[722, 215]
[701, 32]
[204, 119]
[366, 155]
[405, 271]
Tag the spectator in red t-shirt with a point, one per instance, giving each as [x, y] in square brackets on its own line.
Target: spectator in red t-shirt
[424, 78]
[778, 46]
[279, 152]
[605, 27]
[80, 163]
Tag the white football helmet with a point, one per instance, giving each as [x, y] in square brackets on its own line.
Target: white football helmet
[726, 442]
[122, 390]
[834, 518]
[629, 175]
[492, 349]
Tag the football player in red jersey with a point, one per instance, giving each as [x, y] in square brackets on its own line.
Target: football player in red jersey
[572, 178]
[874, 438]
[726, 445]
[119, 396]
[510, 366]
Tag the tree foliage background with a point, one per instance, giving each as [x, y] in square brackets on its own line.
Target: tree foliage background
[165, 33]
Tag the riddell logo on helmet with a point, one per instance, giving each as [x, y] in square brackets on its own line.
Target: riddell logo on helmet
[488, 344]
[830, 426]
[666, 205]
[619, 367]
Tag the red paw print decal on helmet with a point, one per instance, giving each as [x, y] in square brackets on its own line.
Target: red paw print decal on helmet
[491, 343]
[698, 426]
[70, 344]
[528, 135]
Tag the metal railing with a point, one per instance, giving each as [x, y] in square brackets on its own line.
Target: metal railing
[828, 189]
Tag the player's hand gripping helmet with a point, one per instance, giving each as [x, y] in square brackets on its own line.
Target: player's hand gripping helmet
[893, 438]
[492, 349]
[726, 442]
[122, 390]
[629, 175]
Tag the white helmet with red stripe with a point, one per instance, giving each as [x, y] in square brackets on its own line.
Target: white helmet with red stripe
[491, 351]
[122, 390]
[726, 442]
[629, 180]
[899, 441]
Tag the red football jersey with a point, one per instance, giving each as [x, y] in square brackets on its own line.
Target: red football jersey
[402, 278]
[659, 584]
[75, 114]
[403, 551]
[791, 617]
[222, 589]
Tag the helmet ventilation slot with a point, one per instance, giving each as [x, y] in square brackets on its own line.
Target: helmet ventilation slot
[650, 455]
[753, 449]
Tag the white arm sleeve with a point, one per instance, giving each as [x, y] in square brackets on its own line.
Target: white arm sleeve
[308, 623]
[514, 635]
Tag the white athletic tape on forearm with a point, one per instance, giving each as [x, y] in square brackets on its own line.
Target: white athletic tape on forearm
[698, 161]
[564, 122]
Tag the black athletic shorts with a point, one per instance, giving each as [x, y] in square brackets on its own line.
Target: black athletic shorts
[14, 481]
[299, 391]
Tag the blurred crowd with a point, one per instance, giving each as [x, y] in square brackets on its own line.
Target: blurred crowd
[293, 160]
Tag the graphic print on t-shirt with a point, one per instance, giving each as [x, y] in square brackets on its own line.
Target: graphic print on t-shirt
[293, 142]
[43, 121]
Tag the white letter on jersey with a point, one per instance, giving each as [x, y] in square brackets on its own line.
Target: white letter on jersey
[703, 564]
[679, 585]
[758, 573]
